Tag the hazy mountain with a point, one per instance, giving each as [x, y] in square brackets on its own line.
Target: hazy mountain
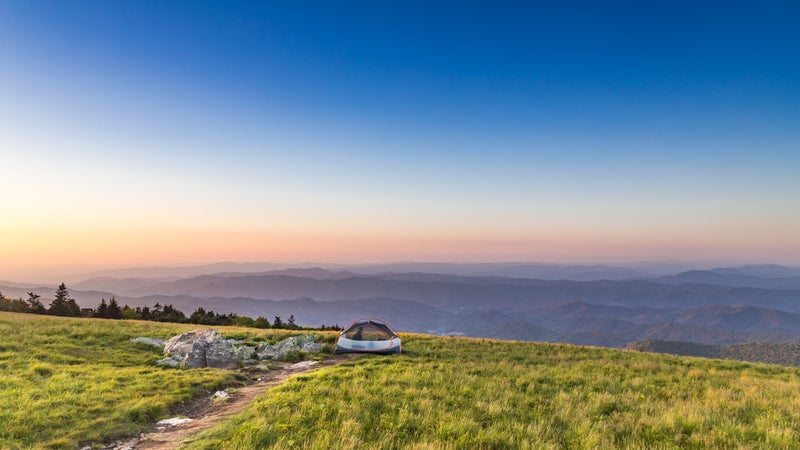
[787, 354]
[545, 271]
[452, 292]
[540, 271]
[138, 286]
[601, 312]
[726, 277]
[120, 286]
[205, 269]
[761, 270]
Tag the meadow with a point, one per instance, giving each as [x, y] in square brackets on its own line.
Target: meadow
[68, 382]
[71, 381]
[444, 393]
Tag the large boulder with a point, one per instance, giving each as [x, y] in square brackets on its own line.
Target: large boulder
[220, 354]
[202, 348]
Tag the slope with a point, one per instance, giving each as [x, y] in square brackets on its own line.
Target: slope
[478, 393]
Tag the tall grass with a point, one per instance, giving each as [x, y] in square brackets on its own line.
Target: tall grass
[472, 393]
[72, 381]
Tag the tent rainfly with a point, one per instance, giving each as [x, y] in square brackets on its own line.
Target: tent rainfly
[368, 336]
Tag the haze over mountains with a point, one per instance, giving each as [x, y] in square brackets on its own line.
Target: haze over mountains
[582, 304]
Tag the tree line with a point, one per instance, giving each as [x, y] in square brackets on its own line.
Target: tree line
[65, 306]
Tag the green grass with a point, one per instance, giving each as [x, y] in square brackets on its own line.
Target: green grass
[74, 381]
[471, 393]
[67, 382]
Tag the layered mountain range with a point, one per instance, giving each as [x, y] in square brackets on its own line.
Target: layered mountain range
[591, 305]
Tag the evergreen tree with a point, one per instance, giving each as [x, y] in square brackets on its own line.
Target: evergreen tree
[34, 304]
[59, 307]
[278, 323]
[114, 311]
[73, 310]
[290, 323]
[156, 312]
[102, 309]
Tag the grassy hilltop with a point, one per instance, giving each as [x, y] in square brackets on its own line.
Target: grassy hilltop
[474, 393]
[70, 381]
[67, 381]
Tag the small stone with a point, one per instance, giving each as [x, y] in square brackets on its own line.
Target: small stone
[174, 421]
[302, 364]
[220, 396]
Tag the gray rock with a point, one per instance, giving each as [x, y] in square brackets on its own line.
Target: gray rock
[279, 350]
[155, 342]
[312, 347]
[265, 351]
[174, 421]
[220, 354]
[169, 362]
[245, 352]
[196, 358]
[302, 340]
[181, 345]
[202, 348]
[220, 396]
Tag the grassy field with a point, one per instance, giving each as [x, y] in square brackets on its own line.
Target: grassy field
[67, 382]
[71, 381]
[471, 393]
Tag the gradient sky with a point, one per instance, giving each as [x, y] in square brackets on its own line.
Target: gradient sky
[189, 132]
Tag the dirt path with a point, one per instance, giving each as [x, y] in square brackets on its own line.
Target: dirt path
[205, 413]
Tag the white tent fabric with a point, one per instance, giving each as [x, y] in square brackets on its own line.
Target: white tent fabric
[368, 336]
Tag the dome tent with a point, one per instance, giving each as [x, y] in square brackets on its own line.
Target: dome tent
[368, 336]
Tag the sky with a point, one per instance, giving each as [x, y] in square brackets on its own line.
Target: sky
[150, 132]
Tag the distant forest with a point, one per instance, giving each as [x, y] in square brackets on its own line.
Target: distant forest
[65, 306]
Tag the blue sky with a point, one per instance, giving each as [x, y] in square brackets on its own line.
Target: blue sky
[574, 131]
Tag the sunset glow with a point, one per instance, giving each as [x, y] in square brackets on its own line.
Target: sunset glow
[149, 136]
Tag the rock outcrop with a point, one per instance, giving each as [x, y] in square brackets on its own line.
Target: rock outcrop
[282, 348]
[202, 348]
[207, 348]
